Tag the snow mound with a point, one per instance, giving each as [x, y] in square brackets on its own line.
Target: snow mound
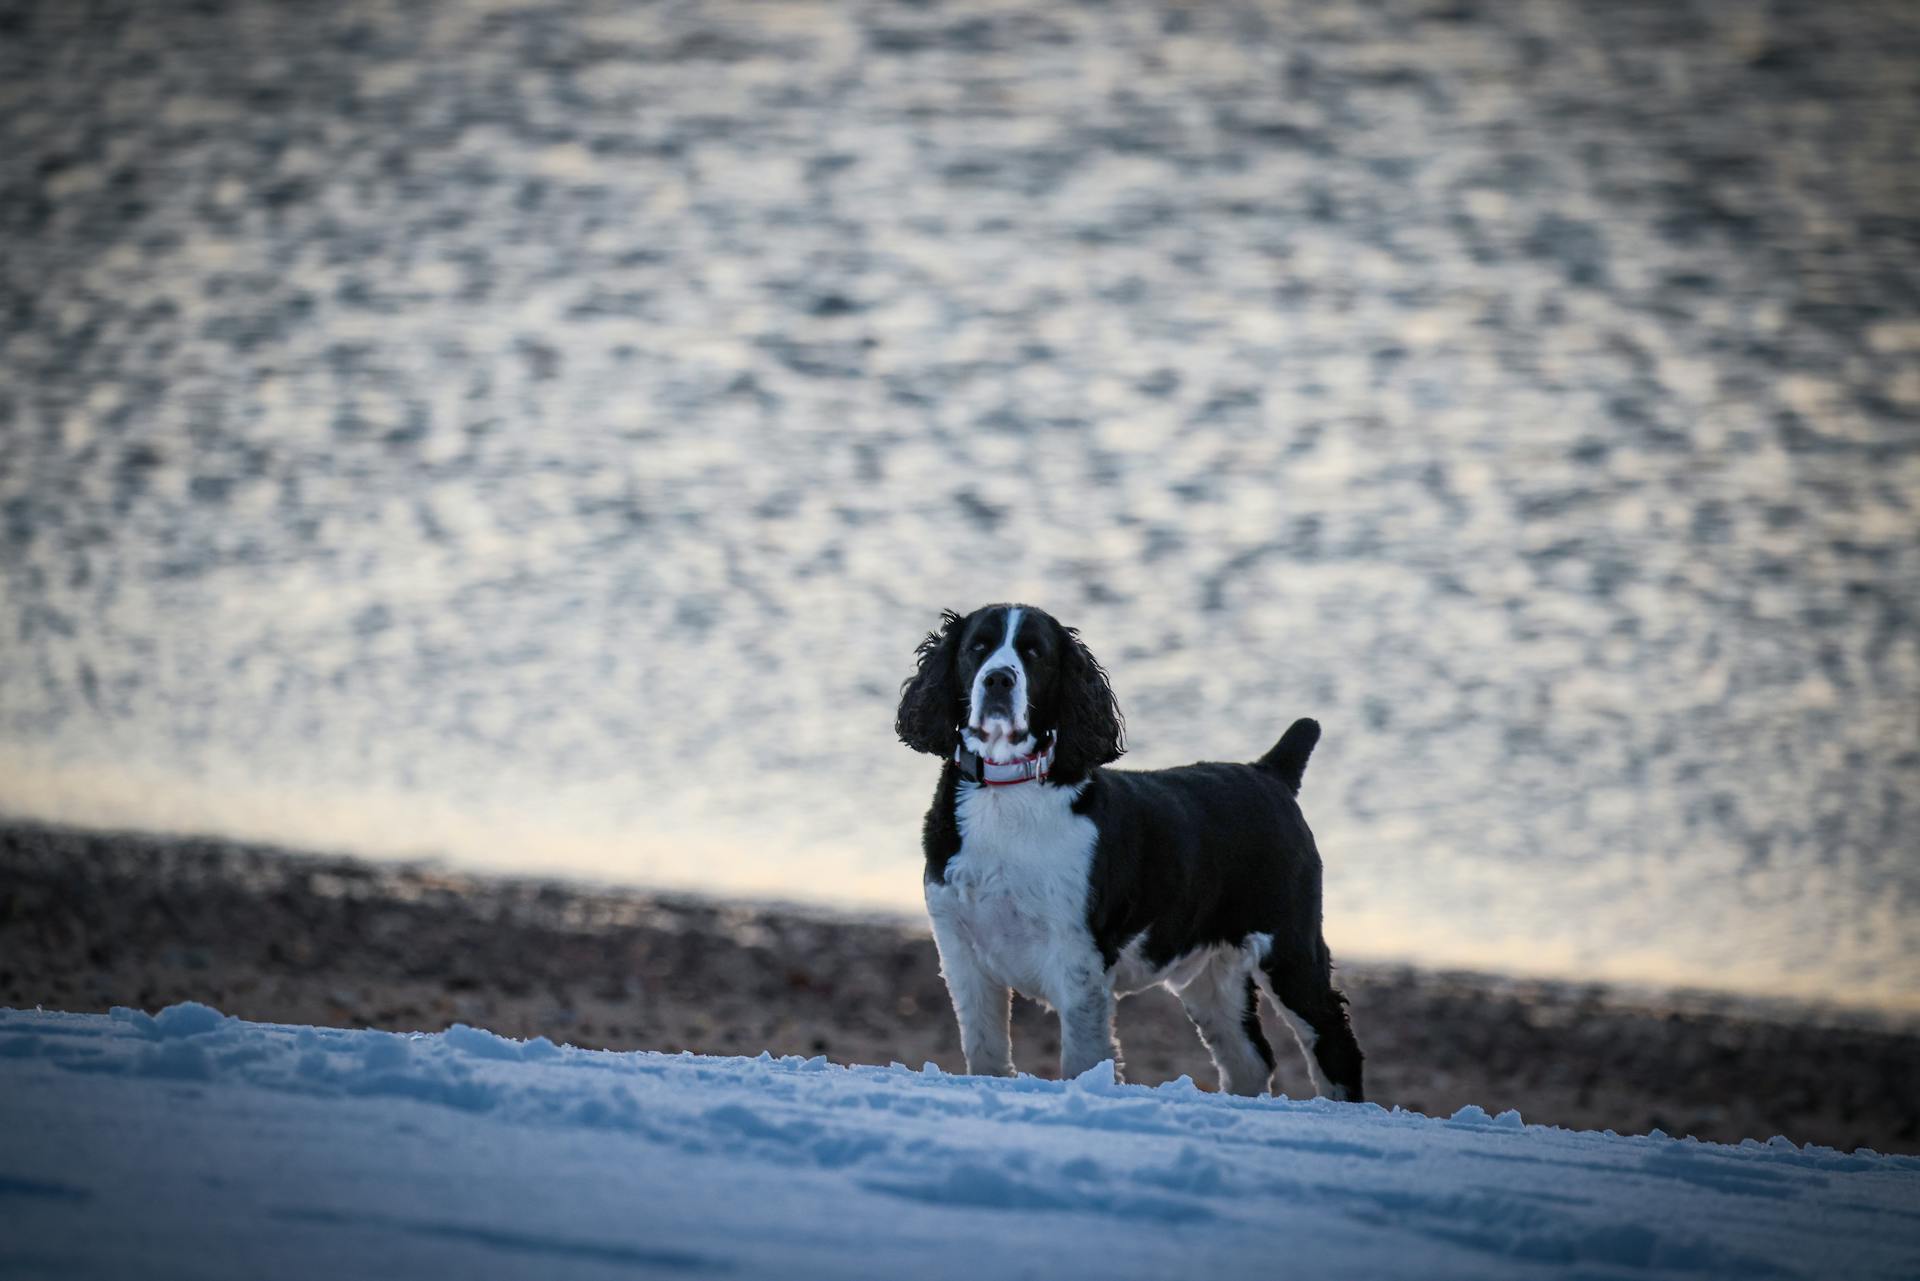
[189, 1143]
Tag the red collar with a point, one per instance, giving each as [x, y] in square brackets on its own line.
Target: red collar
[1021, 769]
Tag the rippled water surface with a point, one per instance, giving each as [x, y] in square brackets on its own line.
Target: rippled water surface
[539, 433]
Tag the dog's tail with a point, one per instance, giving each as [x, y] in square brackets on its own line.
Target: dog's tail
[1288, 759]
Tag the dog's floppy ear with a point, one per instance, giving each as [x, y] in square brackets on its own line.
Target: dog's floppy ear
[928, 702]
[1090, 728]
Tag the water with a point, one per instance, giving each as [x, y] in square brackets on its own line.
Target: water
[538, 434]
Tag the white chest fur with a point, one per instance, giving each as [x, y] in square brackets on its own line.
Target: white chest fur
[1017, 890]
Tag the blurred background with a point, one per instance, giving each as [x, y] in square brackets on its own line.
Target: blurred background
[534, 434]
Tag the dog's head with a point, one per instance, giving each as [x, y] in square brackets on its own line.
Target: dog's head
[1005, 678]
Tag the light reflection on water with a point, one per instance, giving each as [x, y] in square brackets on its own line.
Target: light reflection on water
[555, 471]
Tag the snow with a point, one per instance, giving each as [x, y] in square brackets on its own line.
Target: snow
[188, 1144]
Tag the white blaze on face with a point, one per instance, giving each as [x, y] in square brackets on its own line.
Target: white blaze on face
[994, 737]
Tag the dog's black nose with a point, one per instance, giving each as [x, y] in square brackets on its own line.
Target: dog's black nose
[1000, 681]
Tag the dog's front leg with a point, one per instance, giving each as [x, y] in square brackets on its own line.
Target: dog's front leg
[1086, 1022]
[983, 1007]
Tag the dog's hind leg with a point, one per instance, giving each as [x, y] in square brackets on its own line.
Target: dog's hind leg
[1225, 1010]
[1302, 987]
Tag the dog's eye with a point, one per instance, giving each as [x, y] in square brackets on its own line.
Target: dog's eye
[978, 647]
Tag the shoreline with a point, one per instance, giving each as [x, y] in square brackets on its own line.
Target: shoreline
[90, 919]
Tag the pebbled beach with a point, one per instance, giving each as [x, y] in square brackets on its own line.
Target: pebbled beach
[92, 920]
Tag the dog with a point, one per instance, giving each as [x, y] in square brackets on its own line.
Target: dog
[1074, 884]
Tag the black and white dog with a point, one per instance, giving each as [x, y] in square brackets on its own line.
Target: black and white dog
[1074, 884]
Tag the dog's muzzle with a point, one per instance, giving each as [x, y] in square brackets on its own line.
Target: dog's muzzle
[996, 697]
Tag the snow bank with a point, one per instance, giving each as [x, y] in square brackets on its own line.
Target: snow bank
[190, 1144]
